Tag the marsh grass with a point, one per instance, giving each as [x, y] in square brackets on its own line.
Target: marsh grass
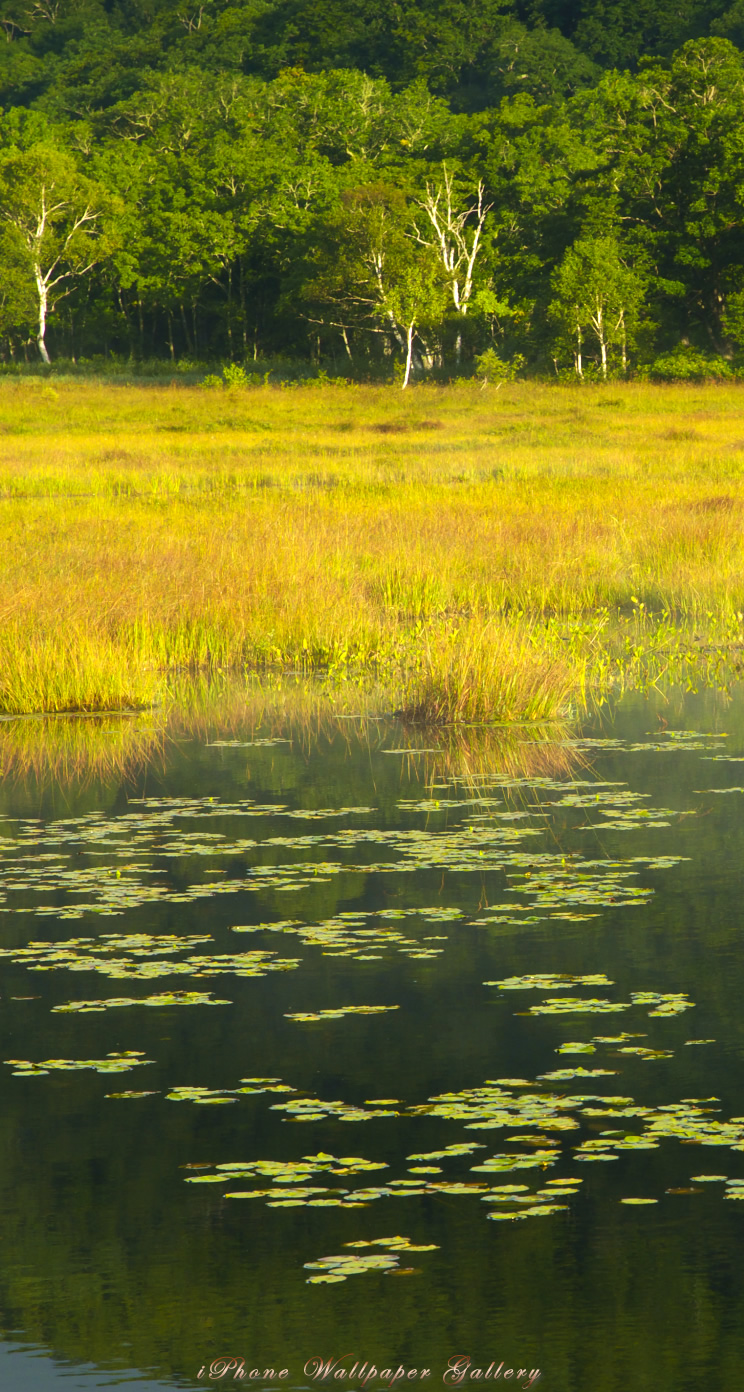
[488, 671]
[572, 538]
[60, 672]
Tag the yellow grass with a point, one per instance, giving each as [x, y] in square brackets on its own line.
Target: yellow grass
[485, 554]
[486, 671]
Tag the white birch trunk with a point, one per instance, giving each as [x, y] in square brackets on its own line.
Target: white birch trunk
[42, 291]
[409, 356]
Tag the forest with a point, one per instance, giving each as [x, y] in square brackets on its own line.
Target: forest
[401, 189]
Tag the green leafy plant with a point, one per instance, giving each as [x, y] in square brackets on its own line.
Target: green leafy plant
[490, 368]
[686, 364]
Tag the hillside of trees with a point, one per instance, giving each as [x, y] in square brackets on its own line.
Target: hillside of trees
[400, 186]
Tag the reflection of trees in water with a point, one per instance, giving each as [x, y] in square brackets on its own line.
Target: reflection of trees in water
[191, 1281]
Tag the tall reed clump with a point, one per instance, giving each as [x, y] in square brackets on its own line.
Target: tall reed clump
[70, 670]
[488, 672]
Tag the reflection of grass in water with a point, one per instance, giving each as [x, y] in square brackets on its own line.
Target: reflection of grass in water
[275, 705]
[77, 749]
[473, 755]
[306, 711]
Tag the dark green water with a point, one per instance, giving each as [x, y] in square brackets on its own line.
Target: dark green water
[113, 1267]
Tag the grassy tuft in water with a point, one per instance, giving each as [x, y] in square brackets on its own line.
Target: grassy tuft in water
[488, 671]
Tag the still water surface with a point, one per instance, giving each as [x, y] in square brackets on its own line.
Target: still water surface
[248, 884]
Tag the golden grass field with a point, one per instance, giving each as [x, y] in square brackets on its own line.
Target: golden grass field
[480, 554]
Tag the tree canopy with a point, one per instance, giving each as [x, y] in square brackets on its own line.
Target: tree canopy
[218, 179]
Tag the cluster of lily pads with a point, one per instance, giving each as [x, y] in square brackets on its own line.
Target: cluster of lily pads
[502, 1105]
[637, 1050]
[667, 742]
[350, 934]
[290, 1188]
[265, 742]
[312, 1109]
[294, 1173]
[662, 1003]
[143, 956]
[122, 858]
[541, 884]
[203, 1096]
[112, 1063]
[166, 998]
[333, 1269]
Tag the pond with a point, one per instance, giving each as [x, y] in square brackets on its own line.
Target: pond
[351, 1045]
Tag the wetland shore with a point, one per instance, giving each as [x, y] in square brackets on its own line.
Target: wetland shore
[477, 555]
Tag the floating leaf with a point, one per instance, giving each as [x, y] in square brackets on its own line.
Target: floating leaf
[643, 1053]
[616, 1038]
[167, 998]
[548, 981]
[571, 1006]
[672, 1003]
[502, 1162]
[448, 1152]
[130, 1094]
[355, 1264]
[338, 1013]
[559, 1074]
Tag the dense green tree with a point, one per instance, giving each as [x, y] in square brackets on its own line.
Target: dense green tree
[701, 125]
[733, 318]
[54, 227]
[597, 302]
[232, 138]
[372, 272]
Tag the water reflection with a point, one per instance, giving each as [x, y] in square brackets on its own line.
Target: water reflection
[392, 869]
[32, 1370]
[227, 713]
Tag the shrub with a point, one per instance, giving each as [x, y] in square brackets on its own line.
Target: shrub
[235, 377]
[690, 365]
[489, 367]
